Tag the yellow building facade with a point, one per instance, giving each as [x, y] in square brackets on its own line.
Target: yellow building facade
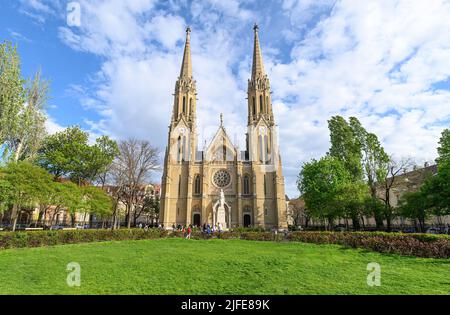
[223, 184]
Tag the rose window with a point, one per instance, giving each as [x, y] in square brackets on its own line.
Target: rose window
[222, 179]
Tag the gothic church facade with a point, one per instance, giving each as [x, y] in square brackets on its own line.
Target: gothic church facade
[250, 182]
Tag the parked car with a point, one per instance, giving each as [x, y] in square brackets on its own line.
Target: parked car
[433, 230]
[409, 230]
[340, 228]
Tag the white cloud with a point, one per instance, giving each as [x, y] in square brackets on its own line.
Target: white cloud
[377, 61]
[52, 127]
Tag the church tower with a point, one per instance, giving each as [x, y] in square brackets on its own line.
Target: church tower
[182, 145]
[262, 146]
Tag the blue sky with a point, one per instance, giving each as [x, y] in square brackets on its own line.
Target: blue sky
[385, 62]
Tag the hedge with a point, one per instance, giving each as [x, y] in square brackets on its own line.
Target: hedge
[420, 245]
[49, 238]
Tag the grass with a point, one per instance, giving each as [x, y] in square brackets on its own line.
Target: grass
[178, 266]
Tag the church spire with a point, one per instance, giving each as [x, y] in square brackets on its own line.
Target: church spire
[258, 66]
[186, 67]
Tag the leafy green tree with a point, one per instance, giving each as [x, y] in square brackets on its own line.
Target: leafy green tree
[350, 198]
[12, 92]
[96, 201]
[444, 147]
[68, 154]
[345, 146]
[26, 184]
[22, 108]
[32, 131]
[374, 162]
[415, 205]
[321, 183]
[437, 188]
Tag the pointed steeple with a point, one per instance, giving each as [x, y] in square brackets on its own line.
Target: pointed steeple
[258, 66]
[186, 67]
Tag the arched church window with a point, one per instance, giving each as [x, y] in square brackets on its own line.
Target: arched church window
[184, 104]
[267, 104]
[246, 185]
[254, 106]
[261, 103]
[179, 149]
[261, 149]
[266, 153]
[197, 185]
[265, 185]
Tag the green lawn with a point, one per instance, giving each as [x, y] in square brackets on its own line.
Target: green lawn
[178, 266]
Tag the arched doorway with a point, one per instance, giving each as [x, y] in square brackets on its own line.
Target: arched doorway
[247, 220]
[196, 220]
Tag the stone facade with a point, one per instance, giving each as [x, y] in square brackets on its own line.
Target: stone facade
[251, 181]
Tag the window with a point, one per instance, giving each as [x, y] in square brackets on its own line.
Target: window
[197, 185]
[266, 212]
[254, 106]
[267, 151]
[190, 106]
[179, 185]
[261, 149]
[261, 103]
[246, 185]
[184, 104]
[222, 179]
[265, 185]
[179, 149]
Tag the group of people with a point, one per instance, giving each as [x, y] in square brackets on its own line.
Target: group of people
[146, 226]
[206, 228]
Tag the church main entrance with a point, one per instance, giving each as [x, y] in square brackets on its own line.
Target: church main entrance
[247, 220]
[197, 219]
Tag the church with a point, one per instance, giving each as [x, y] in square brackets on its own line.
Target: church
[222, 184]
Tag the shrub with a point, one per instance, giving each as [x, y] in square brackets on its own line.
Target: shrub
[420, 245]
[49, 238]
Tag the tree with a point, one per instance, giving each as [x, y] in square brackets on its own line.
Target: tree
[350, 199]
[444, 147]
[393, 169]
[345, 146]
[12, 93]
[96, 201]
[26, 184]
[131, 170]
[150, 206]
[22, 108]
[29, 137]
[68, 154]
[415, 205]
[437, 188]
[374, 162]
[320, 183]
